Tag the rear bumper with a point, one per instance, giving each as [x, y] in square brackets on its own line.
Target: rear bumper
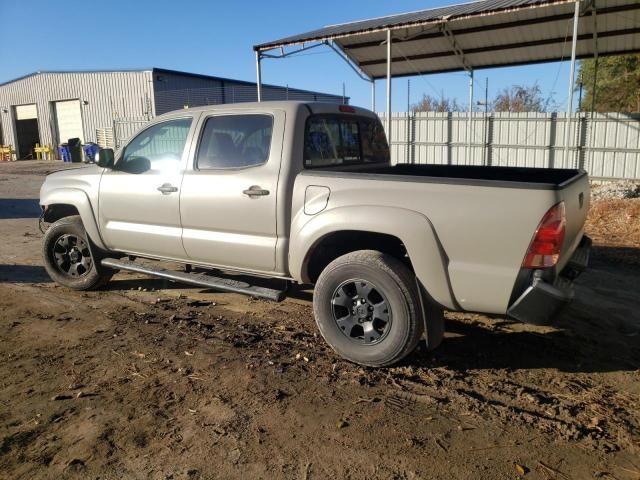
[544, 297]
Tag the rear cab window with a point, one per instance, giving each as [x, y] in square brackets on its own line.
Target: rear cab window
[344, 140]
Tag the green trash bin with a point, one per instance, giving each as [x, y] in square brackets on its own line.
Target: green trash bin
[75, 150]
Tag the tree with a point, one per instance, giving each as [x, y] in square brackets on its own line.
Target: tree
[519, 99]
[617, 87]
[431, 104]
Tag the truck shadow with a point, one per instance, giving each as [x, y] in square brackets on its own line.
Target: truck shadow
[13, 208]
[473, 347]
[598, 332]
[23, 274]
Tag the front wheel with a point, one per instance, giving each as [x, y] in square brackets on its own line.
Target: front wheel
[368, 308]
[67, 256]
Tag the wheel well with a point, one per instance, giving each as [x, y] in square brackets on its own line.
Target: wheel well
[57, 211]
[340, 243]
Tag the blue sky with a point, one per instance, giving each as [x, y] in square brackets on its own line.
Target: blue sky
[216, 37]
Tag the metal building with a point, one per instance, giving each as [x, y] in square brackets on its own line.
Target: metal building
[49, 107]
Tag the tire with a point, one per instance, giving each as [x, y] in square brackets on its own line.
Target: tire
[68, 258]
[379, 283]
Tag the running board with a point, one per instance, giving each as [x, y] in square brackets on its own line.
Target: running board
[199, 280]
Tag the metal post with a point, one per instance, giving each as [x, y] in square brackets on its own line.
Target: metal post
[373, 95]
[572, 79]
[594, 14]
[259, 76]
[344, 94]
[389, 60]
[470, 118]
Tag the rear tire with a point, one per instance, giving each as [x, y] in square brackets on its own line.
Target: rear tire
[68, 258]
[368, 308]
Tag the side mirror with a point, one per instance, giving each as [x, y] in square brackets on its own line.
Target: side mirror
[105, 158]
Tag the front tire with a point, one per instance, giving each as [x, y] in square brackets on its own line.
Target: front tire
[68, 258]
[368, 308]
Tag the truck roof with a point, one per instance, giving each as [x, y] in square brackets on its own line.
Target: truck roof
[287, 105]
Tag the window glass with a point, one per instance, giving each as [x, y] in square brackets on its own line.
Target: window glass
[332, 140]
[235, 141]
[159, 147]
[374, 142]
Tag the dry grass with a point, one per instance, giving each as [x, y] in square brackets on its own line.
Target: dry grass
[614, 226]
[615, 223]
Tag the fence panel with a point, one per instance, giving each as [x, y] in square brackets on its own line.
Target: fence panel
[607, 145]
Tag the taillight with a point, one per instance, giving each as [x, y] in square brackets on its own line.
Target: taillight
[545, 247]
[346, 109]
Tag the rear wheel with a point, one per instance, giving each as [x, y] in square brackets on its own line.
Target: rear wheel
[67, 256]
[368, 308]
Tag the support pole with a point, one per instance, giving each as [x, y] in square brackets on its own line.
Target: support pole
[389, 61]
[470, 118]
[373, 95]
[594, 91]
[259, 76]
[572, 80]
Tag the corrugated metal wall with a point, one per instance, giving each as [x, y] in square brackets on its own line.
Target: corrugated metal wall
[606, 145]
[174, 90]
[108, 94]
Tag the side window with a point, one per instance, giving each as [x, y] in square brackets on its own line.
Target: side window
[235, 141]
[159, 147]
[331, 141]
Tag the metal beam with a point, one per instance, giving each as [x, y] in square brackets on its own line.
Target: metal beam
[594, 91]
[470, 119]
[389, 63]
[509, 46]
[259, 76]
[373, 95]
[572, 79]
[455, 47]
[413, 73]
[341, 53]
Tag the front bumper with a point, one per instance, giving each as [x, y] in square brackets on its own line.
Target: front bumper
[544, 297]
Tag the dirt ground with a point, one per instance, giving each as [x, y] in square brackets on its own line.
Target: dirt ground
[151, 380]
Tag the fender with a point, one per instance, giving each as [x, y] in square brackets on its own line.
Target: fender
[414, 230]
[80, 200]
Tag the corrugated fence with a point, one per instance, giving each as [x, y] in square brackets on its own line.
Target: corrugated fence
[607, 145]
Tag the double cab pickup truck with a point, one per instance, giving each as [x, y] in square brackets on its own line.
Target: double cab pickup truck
[306, 193]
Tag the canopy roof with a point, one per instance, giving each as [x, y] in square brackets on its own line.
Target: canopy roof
[481, 34]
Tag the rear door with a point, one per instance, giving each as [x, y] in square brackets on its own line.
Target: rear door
[139, 203]
[228, 199]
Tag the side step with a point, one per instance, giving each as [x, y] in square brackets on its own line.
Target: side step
[199, 280]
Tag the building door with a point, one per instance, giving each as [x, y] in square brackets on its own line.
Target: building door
[69, 120]
[27, 134]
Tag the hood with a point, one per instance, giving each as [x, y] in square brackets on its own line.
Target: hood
[85, 178]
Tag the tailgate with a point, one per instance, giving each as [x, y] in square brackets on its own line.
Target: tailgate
[576, 196]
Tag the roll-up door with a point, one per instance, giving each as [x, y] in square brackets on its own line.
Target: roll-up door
[69, 120]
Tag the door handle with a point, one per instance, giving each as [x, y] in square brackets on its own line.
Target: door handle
[167, 188]
[255, 191]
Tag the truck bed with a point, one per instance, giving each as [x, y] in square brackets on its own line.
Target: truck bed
[540, 178]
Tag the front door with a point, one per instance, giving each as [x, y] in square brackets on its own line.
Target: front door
[139, 204]
[228, 199]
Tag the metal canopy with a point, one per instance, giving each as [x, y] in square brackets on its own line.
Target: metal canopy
[481, 34]
[470, 36]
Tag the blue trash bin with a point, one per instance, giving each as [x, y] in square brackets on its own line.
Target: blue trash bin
[90, 151]
[65, 155]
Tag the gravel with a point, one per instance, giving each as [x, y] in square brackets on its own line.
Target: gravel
[615, 190]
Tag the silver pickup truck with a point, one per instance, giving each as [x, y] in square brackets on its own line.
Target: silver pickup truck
[306, 193]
